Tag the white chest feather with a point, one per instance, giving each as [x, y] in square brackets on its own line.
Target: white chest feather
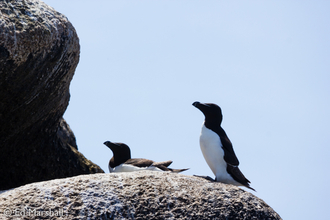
[213, 153]
[131, 168]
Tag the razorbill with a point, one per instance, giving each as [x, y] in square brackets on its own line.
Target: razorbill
[217, 148]
[121, 161]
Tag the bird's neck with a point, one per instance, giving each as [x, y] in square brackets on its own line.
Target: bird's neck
[212, 123]
[115, 161]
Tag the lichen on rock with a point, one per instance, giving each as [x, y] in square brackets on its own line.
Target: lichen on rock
[137, 195]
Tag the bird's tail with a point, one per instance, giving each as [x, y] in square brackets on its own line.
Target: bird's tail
[177, 170]
[248, 186]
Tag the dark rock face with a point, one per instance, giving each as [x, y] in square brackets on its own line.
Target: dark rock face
[134, 195]
[39, 51]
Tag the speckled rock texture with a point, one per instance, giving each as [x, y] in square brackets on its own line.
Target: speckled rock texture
[134, 195]
[39, 52]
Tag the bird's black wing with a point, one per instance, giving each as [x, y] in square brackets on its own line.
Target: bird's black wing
[139, 162]
[164, 163]
[230, 156]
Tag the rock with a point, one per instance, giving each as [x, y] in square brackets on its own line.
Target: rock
[66, 135]
[134, 195]
[39, 52]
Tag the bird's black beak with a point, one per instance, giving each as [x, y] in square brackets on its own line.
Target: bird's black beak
[200, 105]
[196, 104]
[109, 144]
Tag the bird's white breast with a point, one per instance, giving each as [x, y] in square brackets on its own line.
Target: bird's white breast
[213, 153]
[131, 168]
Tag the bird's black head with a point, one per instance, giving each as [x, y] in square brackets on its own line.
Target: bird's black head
[212, 112]
[121, 152]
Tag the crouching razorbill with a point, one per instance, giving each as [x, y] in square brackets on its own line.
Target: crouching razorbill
[122, 161]
[217, 148]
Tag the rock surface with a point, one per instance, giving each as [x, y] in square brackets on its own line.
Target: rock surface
[39, 51]
[134, 195]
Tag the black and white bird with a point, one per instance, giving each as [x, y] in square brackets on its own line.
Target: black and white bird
[217, 148]
[121, 161]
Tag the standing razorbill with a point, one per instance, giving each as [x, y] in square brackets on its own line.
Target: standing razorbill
[217, 148]
[121, 161]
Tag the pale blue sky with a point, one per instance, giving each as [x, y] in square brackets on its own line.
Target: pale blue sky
[265, 63]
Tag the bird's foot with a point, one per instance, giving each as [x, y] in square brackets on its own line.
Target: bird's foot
[205, 177]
